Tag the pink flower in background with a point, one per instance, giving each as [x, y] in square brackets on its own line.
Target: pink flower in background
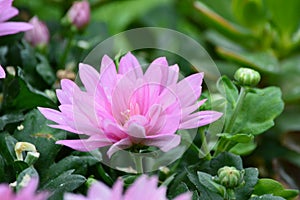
[28, 192]
[79, 14]
[7, 11]
[127, 107]
[2, 72]
[143, 188]
[39, 35]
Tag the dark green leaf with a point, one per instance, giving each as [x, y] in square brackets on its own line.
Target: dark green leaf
[208, 181]
[78, 163]
[7, 146]
[66, 182]
[244, 192]
[42, 136]
[20, 95]
[10, 118]
[204, 193]
[225, 159]
[19, 166]
[31, 172]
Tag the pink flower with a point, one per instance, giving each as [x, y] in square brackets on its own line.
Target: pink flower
[7, 12]
[39, 35]
[28, 192]
[2, 72]
[79, 14]
[143, 188]
[128, 107]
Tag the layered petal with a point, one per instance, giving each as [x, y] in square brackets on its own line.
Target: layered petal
[8, 28]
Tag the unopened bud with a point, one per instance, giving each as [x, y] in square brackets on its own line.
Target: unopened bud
[247, 77]
[79, 14]
[38, 36]
[230, 177]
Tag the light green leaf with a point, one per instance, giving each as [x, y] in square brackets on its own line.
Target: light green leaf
[261, 61]
[258, 111]
[270, 186]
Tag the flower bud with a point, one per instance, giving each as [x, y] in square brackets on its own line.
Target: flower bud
[79, 14]
[230, 177]
[38, 36]
[247, 77]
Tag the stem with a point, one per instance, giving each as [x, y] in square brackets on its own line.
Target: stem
[237, 108]
[66, 50]
[204, 145]
[138, 160]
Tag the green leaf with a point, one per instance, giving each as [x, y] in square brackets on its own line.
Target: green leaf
[243, 149]
[20, 95]
[258, 111]
[207, 181]
[7, 146]
[284, 14]
[244, 192]
[19, 166]
[31, 172]
[180, 189]
[115, 17]
[225, 159]
[237, 138]
[78, 163]
[10, 118]
[261, 61]
[270, 186]
[228, 90]
[65, 182]
[226, 27]
[37, 132]
[45, 71]
[266, 197]
[204, 193]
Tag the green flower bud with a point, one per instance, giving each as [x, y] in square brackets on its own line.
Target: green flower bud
[229, 177]
[247, 77]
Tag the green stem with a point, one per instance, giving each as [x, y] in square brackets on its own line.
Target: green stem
[242, 95]
[66, 51]
[204, 145]
[138, 160]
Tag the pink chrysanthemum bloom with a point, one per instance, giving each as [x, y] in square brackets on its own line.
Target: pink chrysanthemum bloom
[143, 188]
[7, 11]
[2, 72]
[126, 107]
[28, 192]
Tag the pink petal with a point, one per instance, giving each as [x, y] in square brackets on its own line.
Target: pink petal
[163, 142]
[70, 196]
[8, 13]
[99, 189]
[136, 130]
[137, 190]
[89, 144]
[130, 63]
[6, 192]
[89, 77]
[173, 74]
[185, 196]
[158, 72]
[2, 72]
[190, 109]
[8, 28]
[189, 89]
[198, 119]
[122, 144]
[53, 115]
[117, 190]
